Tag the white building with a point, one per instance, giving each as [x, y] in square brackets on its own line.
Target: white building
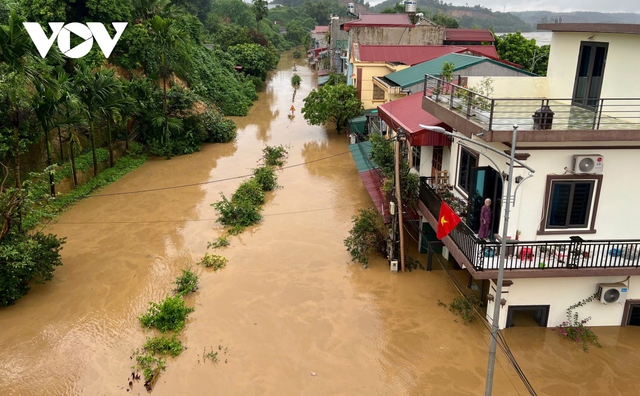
[579, 129]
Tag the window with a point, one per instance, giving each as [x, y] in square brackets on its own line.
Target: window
[415, 153]
[378, 93]
[571, 202]
[466, 162]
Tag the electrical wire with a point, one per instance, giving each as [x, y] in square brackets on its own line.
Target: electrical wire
[501, 340]
[209, 219]
[208, 181]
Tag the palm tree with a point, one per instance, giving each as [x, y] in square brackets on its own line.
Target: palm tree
[166, 39]
[17, 52]
[260, 10]
[94, 90]
[113, 109]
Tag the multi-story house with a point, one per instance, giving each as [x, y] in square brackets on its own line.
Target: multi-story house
[572, 224]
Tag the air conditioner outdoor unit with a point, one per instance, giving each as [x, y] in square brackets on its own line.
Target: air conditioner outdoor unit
[609, 293]
[394, 265]
[589, 163]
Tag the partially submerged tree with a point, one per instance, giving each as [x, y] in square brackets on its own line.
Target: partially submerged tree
[366, 236]
[332, 103]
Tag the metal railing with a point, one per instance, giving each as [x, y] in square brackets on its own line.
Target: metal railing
[574, 253]
[535, 113]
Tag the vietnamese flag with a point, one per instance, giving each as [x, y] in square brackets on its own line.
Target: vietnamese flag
[447, 221]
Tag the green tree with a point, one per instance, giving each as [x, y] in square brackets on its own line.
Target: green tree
[255, 59]
[445, 20]
[260, 10]
[366, 235]
[94, 89]
[166, 39]
[332, 103]
[516, 48]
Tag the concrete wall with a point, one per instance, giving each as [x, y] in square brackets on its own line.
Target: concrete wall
[417, 35]
[624, 50]
[560, 294]
[514, 87]
[370, 70]
[617, 214]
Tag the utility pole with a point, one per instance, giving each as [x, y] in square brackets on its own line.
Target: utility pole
[399, 139]
[503, 243]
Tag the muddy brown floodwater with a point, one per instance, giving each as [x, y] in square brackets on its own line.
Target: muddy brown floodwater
[288, 304]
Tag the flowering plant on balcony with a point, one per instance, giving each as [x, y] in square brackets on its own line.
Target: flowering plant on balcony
[458, 205]
[575, 328]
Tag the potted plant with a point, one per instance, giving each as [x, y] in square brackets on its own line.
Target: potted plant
[481, 103]
[446, 75]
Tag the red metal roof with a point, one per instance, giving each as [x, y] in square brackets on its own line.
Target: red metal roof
[373, 185]
[320, 29]
[414, 54]
[407, 113]
[379, 20]
[485, 50]
[476, 35]
[407, 54]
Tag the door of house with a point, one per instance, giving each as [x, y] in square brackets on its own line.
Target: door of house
[485, 183]
[590, 73]
[528, 315]
[436, 160]
[631, 315]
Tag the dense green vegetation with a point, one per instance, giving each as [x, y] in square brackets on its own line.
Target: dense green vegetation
[244, 207]
[332, 103]
[516, 48]
[467, 17]
[366, 236]
[178, 70]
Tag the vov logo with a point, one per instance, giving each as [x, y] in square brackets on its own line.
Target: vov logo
[88, 32]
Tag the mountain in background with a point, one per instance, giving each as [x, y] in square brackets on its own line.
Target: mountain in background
[503, 22]
[535, 17]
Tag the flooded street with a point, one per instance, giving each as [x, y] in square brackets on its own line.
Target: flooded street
[289, 302]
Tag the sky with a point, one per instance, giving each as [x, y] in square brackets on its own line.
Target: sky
[548, 5]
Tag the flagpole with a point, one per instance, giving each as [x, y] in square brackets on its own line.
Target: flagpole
[503, 243]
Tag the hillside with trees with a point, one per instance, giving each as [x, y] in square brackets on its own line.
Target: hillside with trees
[467, 17]
[178, 70]
[535, 17]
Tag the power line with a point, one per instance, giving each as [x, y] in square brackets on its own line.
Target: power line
[208, 181]
[206, 219]
[501, 341]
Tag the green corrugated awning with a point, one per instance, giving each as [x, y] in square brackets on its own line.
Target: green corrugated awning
[361, 153]
[356, 124]
[415, 74]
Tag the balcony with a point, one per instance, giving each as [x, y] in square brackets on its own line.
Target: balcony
[537, 259]
[539, 119]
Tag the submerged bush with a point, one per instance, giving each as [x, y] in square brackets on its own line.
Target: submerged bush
[186, 283]
[218, 128]
[169, 315]
[213, 260]
[274, 155]
[266, 177]
[366, 235]
[251, 191]
[163, 345]
[237, 213]
[26, 257]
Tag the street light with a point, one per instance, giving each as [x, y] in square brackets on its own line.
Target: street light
[503, 243]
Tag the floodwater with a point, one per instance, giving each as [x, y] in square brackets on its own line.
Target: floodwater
[292, 315]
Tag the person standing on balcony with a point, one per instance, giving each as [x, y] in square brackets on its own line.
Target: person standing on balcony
[485, 219]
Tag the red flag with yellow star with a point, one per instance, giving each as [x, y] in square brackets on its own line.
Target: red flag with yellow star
[447, 221]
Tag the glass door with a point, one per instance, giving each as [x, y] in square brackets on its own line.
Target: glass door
[486, 183]
[590, 73]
